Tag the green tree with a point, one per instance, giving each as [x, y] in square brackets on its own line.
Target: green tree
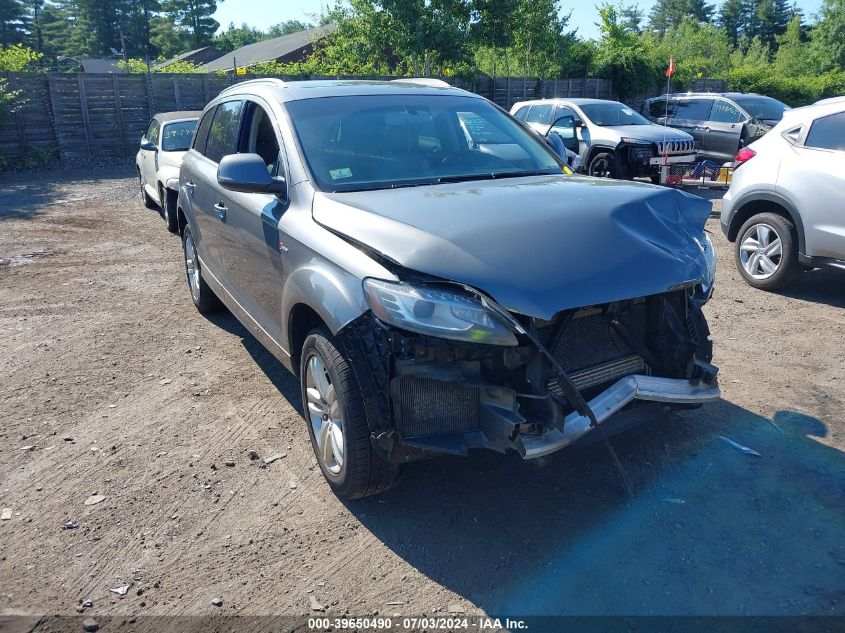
[287, 27]
[194, 19]
[700, 50]
[12, 22]
[541, 44]
[666, 14]
[622, 56]
[791, 59]
[828, 37]
[165, 38]
[732, 19]
[236, 36]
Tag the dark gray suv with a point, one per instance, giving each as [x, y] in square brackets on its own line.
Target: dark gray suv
[720, 123]
[419, 260]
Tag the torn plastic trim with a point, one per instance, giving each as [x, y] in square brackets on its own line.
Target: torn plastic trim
[612, 400]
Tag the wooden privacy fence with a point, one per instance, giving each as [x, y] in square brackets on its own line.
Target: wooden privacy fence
[88, 116]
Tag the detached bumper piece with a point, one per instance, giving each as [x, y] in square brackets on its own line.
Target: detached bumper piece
[613, 400]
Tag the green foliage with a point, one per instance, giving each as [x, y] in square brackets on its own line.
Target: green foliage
[794, 91]
[193, 18]
[793, 59]
[699, 51]
[18, 58]
[622, 55]
[668, 14]
[139, 66]
[828, 37]
[237, 36]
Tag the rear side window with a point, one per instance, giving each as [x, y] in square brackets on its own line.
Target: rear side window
[828, 133]
[223, 135]
[725, 112]
[693, 109]
[540, 114]
[202, 131]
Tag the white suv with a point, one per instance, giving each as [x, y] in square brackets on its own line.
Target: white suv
[785, 208]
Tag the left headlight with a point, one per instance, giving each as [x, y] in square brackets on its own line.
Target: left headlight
[436, 312]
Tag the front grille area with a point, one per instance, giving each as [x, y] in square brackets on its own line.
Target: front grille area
[435, 407]
[592, 352]
[675, 146]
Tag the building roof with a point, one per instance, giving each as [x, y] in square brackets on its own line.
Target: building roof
[198, 55]
[270, 50]
[92, 65]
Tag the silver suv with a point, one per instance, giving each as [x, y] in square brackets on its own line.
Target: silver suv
[420, 261]
[784, 209]
[614, 141]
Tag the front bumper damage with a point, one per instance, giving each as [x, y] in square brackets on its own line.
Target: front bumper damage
[426, 395]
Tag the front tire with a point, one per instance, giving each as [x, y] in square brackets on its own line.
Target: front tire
[605, 165]
[337, 422]
[203, 297]
[766, 251]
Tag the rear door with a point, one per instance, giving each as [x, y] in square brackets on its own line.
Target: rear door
[209, 198]
[691, 115]
[725, 128]
[539, 117]
[815, 182]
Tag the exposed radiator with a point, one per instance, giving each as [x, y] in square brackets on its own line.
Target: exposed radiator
[608, 372]
[434, 407]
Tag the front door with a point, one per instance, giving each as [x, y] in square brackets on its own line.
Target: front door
[149, 159]
[691, 115]
[725, 123]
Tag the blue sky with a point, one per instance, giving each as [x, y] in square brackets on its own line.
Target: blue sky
[263, 13]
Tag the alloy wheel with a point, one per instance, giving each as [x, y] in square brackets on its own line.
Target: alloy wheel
[761, 251]
[324, 414]
[601, 168]
[192, 267]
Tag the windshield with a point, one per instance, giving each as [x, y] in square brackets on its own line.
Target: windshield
[611, 113]
[764, 108]
[354, 143]
[177, 136]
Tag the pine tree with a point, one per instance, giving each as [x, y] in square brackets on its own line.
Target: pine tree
[731, 18]
[668, 14]
[194, 17]
[12, 22]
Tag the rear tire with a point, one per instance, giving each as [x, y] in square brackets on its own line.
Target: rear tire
[766, 251]
[168, 208]
[337, 422]
[203, 297]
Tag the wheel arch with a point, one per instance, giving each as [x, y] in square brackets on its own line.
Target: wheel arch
[765, 203]
[302, 319]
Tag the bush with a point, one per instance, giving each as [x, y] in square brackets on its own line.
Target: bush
[794, 91]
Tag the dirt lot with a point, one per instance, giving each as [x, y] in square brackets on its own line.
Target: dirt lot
[121, 389]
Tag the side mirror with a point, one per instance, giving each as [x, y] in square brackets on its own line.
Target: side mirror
[579, 123]
[248, 173]
[564, 127]
[148, 145]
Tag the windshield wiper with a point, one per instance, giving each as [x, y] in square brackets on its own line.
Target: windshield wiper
[493, 176]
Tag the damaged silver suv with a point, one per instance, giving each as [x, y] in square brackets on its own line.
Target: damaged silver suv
[420, 261]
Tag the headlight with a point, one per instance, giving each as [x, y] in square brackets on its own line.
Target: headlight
[435, 312]
[634, 141]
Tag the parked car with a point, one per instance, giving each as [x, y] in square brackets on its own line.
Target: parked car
[420, 261]
[614, 141]
[163, 146]
[784, 208]
[721, 123]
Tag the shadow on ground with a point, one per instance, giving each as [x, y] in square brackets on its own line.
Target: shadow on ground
[818, 286]
[24, 195]
[711, 530]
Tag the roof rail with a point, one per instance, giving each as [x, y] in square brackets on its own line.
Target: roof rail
[270, 81]
[423, 81]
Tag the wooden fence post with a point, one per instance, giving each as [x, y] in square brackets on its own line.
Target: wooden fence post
[19, 124]
[177, 93]
[86, 119]
[205, 89]
[118, 111]
[148, 84]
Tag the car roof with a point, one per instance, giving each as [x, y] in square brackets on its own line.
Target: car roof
[315, 89]
[573, 100]
[727, 95]
[179, 115]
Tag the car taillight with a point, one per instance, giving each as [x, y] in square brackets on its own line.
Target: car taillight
[743, 156]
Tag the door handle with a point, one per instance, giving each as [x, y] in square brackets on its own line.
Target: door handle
[221, 210]
[190, 187]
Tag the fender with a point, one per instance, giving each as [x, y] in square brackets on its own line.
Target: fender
[766, 196]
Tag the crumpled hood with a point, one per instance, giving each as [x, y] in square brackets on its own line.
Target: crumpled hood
[537, 245]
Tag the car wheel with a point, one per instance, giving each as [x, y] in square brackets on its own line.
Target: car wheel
[168, 208]
[603, 165]
[145, 197]
[767, 251]
[337, 422]
[203, 297]
[655, 179]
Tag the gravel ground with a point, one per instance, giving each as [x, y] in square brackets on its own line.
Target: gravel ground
[131, 417]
